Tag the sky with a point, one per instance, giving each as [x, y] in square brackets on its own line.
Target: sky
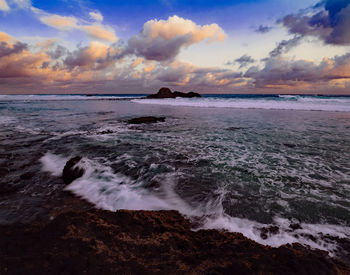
[138, 46]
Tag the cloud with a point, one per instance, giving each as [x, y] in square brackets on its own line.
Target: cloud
[263, 29]
[162, 40]
[63, 23]
[68, 23]
[96, 15]
[98, 66]
[302, 75]
[100, 32]
[137, 62]
[58, 52]
[243, 61]
[329, 21]
[96, 56]
[4, 6]
[5, 37]
[285, 46]
[23, 4]
[7, 49]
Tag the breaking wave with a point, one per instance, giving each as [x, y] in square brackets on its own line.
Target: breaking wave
[109, 190]
[282, 102]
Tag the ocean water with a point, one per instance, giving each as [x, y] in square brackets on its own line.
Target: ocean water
[239, 163]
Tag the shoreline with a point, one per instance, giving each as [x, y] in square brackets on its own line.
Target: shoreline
[78, 238]
[48, 227]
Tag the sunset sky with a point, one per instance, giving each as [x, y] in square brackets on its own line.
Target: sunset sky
[261, 46]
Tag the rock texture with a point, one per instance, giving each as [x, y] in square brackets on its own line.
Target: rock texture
[166, 93]
[146, 119]
[146, 242]
[72, 171]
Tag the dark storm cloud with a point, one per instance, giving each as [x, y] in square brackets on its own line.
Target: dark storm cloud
[330, 22]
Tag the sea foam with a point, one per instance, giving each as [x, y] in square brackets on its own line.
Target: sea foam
[276, 103]
[108, 190]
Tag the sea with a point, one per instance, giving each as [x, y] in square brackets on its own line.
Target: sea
[275, 168]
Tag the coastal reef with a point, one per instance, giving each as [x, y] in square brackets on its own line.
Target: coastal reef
[146, 242]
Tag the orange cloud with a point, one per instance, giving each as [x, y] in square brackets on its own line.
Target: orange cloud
[162, 40]
[68, 23]
[4, 6]
[176, 26]
[100, 32]
[60, 22]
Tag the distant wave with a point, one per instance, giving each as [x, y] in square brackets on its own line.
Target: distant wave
[64, 97]
[307, 103]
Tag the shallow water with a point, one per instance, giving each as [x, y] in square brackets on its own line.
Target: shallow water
[238, 169]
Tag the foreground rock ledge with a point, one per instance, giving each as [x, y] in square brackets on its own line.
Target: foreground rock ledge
[146, 242]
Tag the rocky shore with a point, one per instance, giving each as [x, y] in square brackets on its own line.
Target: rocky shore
[94, 241]
[46, 230]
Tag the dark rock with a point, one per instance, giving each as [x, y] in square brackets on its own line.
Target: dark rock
[105, 132]
[3, 171]
[27, 176]
[295, 226]
[146, 119]
[234, 128]
[146, 242]
[188, 95]
[290, 145]
[268, 231]
[6, 188]
[72, 171]
[166, 93]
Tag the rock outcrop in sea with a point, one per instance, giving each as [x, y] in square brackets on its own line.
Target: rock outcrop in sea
[146, 119]
[167, 93]
[72, 170]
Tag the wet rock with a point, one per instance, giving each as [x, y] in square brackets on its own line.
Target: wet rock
[27, 176]
[295, 226]
[3, 171]
[166, 93]
[105, 132]
[290, 145]
[146, 119]
[6, 188]
[146, 242]
[234, 128]
[265, 232]
[72, 171]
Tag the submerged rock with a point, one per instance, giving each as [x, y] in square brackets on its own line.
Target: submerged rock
[166, 93]
[146, 119]
[234, 128]
[146, 242]
[105, 132]
[72, 171]
[265, 232]
[290, 145]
